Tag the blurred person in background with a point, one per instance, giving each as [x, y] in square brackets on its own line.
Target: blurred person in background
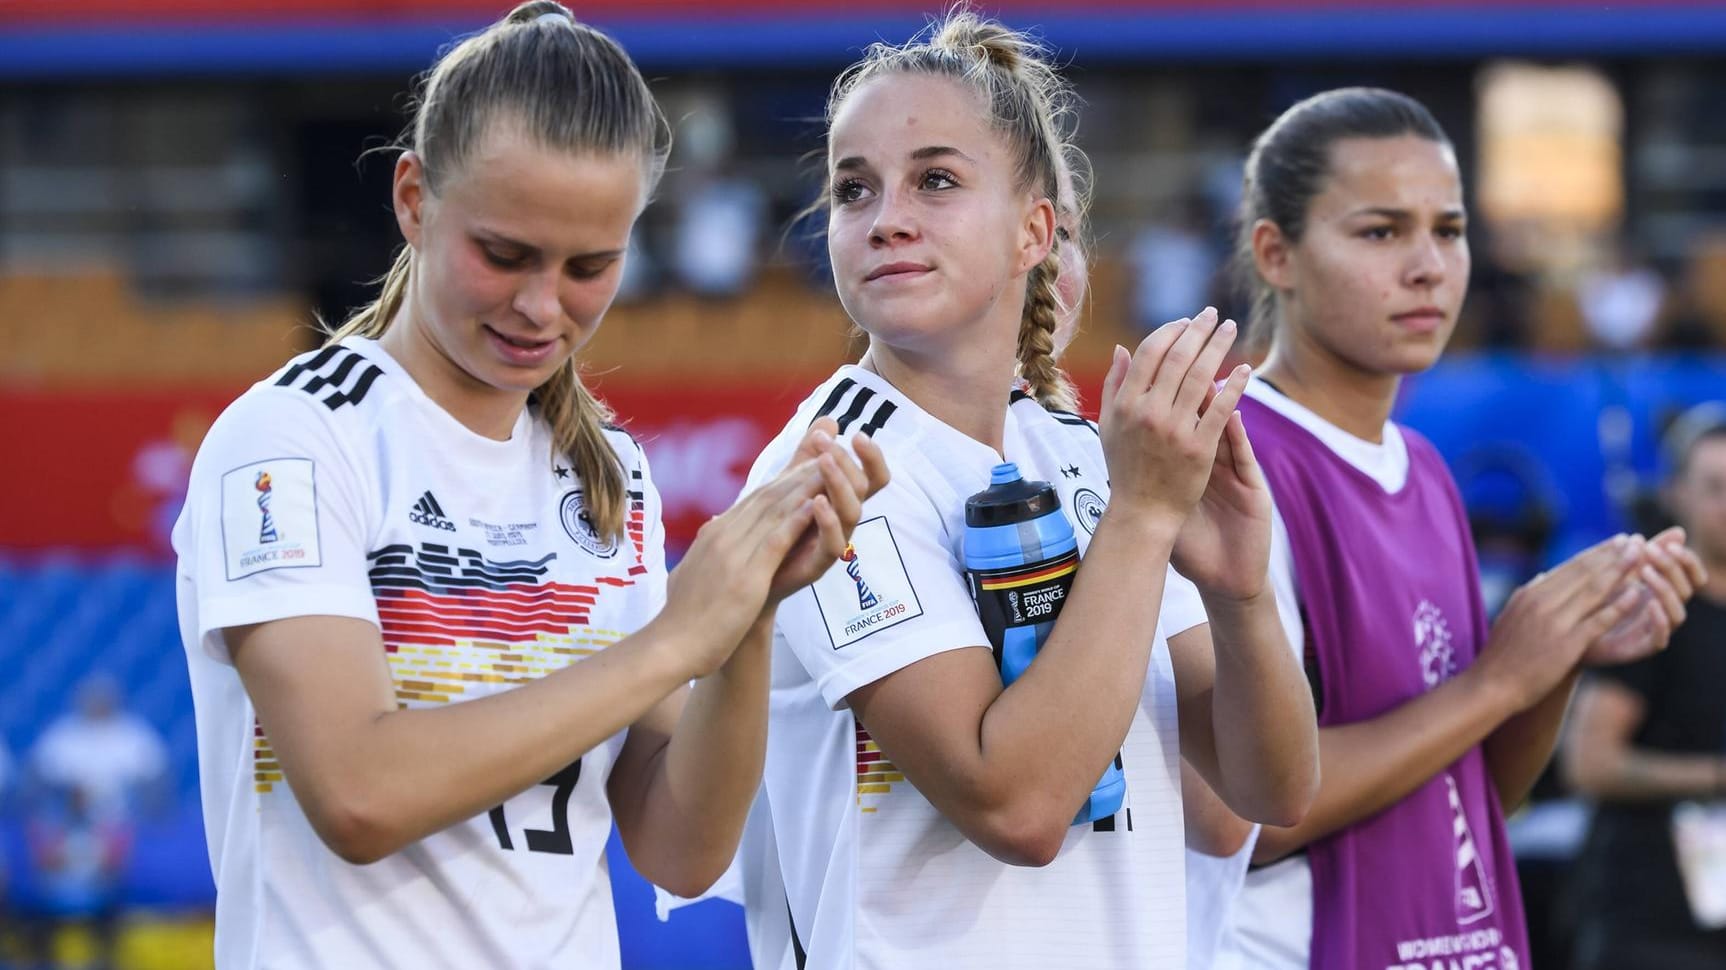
[114, 758]
[434, 650]
[78, 856]
[944, 231]
[1172, 265]
[720, 220]
[1432, 724]
[1621, 300]
[1648, 735]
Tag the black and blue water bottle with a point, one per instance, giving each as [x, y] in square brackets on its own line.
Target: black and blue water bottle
[1020, 558]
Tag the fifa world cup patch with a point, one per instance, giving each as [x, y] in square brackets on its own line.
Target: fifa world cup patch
[868, 589]
[270, 517]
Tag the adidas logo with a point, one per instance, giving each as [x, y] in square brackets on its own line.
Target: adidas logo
[427, 512]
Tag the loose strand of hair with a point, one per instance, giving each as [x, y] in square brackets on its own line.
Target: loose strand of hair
[375, 317]
[577, 419]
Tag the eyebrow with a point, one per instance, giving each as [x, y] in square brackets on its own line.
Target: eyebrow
[854, 162]
[493, 236]
[1392, 213]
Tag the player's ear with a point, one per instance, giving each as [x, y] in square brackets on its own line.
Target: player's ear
[1271, 255]
[408, 193]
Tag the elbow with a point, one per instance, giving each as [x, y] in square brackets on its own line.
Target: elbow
[1022, 834]
[685, 886]
[1293, 800]
[1273, 845]
[1283, 804]
[688, 880]
[1276, 809]
[1287, 812]
[356, 834]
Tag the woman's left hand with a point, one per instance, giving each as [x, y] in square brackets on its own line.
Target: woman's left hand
[1668, 578]
[1224, 548]
[847, 485]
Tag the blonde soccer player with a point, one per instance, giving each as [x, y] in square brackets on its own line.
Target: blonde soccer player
[922, 813]
[434, 649]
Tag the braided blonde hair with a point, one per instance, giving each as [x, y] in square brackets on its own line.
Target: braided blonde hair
[1033, 107]
[571, 88]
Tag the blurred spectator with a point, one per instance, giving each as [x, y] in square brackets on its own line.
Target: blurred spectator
[1648, 736]
[1501, 307]
[77, 859]
[109, 755]
[719, 224]
[1621, 302]
[1172, 267]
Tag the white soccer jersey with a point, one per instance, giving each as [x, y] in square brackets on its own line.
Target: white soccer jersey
[1262, 920]
[337, 487]
[877, 878]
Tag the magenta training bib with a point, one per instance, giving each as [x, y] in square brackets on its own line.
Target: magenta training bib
[1390, 596]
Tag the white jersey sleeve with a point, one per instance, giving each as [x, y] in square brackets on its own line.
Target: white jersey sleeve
[277, 519]
[652, 527]
[897, 596]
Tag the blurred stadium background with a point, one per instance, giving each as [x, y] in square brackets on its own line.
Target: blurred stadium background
[182, 194]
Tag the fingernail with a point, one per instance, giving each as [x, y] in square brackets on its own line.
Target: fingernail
[821, 436]
[1227, 325]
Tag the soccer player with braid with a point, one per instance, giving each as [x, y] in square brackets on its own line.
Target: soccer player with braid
[922, 813]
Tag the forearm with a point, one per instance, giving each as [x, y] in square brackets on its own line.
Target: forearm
[1261, 719]
[1519, 750]
[387, 779]
[1064, 720]
[1370, 765]
[691, 814]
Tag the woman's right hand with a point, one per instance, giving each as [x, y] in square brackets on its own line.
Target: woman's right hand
[1162, 417]
[1541, 633]
[722, 583]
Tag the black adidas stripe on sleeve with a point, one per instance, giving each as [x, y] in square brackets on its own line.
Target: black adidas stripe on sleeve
[873, 426]
[1064, 417]
[333, 367]
[863, 402]
[838, 394]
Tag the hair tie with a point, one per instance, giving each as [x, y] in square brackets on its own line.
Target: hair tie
[552, 15]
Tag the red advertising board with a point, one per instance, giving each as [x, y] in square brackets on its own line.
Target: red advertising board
[101, 470]
[96, 470]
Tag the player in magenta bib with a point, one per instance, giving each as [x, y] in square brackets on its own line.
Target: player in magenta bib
[1432, 723]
